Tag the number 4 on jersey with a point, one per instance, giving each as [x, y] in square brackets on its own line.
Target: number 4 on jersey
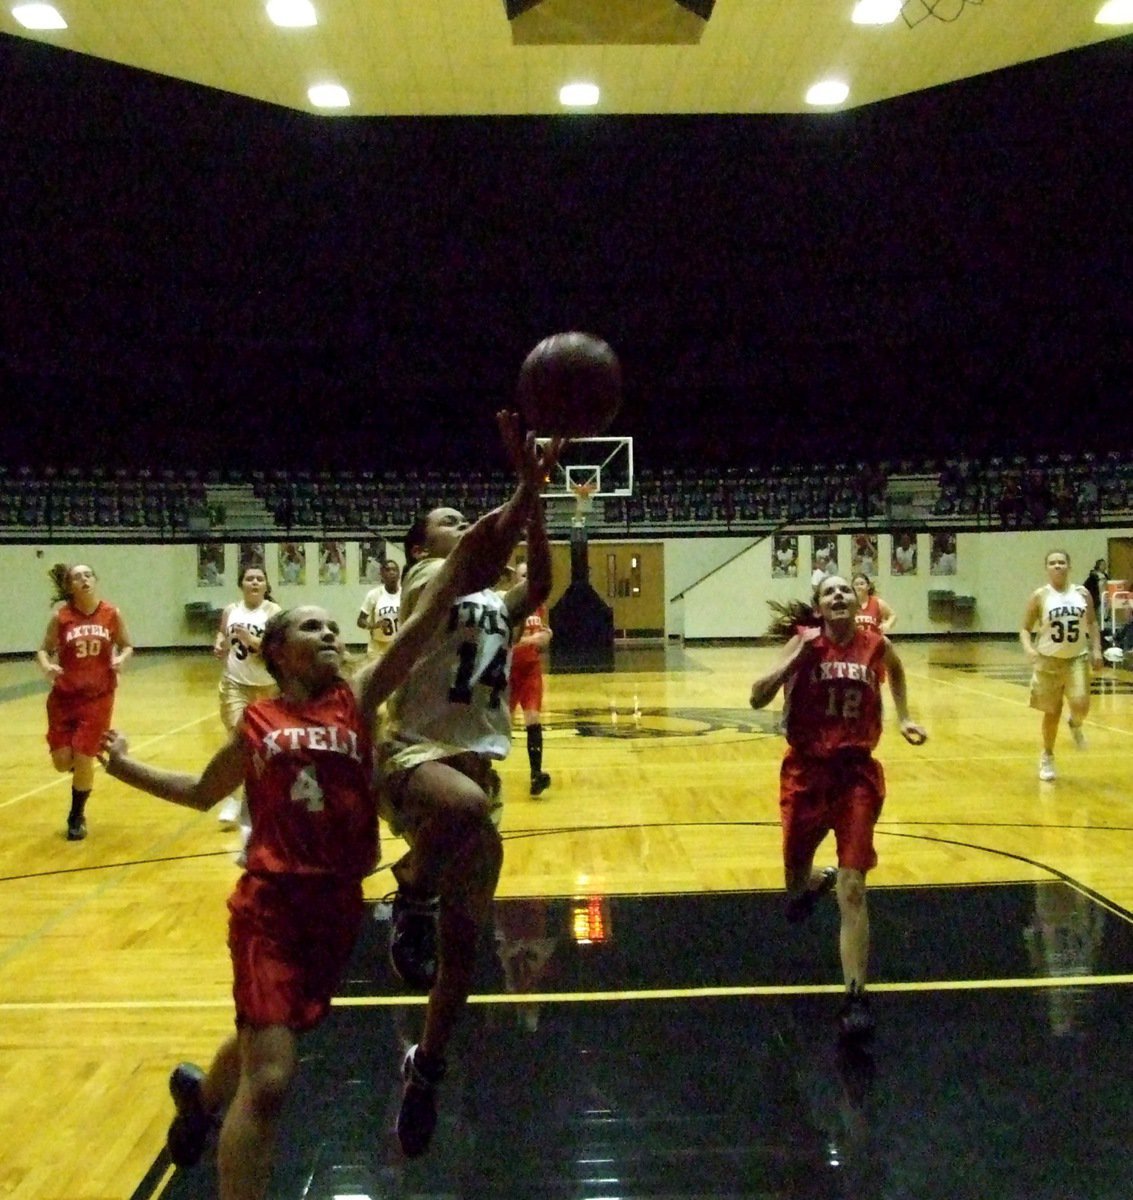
[305, 790]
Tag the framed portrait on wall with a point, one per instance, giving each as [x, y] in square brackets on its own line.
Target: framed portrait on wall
[904, 558]
[942, 557]
[823, 556]
[210, 564]
[371, 555]
[293, 562]
[785, 556]
[863, 554]
[332, 562]
[251, 555]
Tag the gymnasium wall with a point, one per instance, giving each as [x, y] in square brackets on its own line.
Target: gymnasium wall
[998, 569]
[152, 584]
[728, 582]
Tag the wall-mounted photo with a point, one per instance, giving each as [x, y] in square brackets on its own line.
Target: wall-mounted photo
[210, 564]
[251, 555]
[904, 558]
[863, 556]
[293, 563]
[332, 562]
[823, 556]
[942, 559]
[371, 555]
[785, 556]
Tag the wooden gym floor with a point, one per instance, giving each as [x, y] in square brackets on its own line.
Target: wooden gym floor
[686, 1049]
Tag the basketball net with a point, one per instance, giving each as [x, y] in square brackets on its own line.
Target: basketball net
[583, 502]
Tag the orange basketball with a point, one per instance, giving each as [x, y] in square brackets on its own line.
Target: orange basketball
[570, 384]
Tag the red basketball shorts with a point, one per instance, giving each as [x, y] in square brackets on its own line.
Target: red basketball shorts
[290, 937]
[525, 685]
[843, 793]
[78, 721]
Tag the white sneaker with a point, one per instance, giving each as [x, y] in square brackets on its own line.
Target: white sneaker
[1046, 767]
[1078, 734]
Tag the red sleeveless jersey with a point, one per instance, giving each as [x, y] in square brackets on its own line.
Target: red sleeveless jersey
[310, 786]
[86, 644]
[529, 655]
[869, 614]
[833, 697]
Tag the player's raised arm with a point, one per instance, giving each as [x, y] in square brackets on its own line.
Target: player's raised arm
[535, 586]
[475, 563]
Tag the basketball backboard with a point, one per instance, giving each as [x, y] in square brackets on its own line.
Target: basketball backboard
[602, 463]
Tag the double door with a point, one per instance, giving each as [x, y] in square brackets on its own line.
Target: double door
[628, 576]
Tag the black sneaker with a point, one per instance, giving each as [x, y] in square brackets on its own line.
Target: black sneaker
[855, 1021]
[800, 907]
[76, 829]
[417, 1117]
[189, 1132]
[413, 940]
[540, 783]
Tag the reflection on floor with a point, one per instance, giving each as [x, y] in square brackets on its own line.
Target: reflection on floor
[969, 1090]
[1107, 682]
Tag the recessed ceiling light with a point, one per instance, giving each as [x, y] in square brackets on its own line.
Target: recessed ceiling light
[292, 14]
[39, 16]
[827, 93]
[579, 95]
[876, 12]
[328, 95]
[1115, 12]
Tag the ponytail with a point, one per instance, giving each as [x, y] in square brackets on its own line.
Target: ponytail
[60, 576]
[786, 618]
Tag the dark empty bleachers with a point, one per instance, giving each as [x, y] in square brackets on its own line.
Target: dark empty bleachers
[1001, 492]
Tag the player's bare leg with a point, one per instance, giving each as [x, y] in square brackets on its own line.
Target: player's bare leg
[1050, 731]
[1049, 734]
[247, 1137]
[855, 1020]
[1079, 707]
[456, 854]
[853, 938]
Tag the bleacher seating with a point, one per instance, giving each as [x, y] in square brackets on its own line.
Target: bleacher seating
[997, 493]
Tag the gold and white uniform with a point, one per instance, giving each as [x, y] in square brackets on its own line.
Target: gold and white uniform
[455, 699]
[1062, 631]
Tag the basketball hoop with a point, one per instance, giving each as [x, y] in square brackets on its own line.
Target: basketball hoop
[583, 496]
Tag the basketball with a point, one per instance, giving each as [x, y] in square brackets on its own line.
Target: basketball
[570, 384]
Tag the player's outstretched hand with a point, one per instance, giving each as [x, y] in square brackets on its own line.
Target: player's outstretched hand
[914, 734]
[532, 463]
[114, 745]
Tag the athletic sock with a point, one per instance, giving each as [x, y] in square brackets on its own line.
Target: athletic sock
[535, 749]
[78, 804]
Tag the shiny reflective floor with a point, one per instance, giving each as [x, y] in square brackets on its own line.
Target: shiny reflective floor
[691, 1053]
[646, 1024]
